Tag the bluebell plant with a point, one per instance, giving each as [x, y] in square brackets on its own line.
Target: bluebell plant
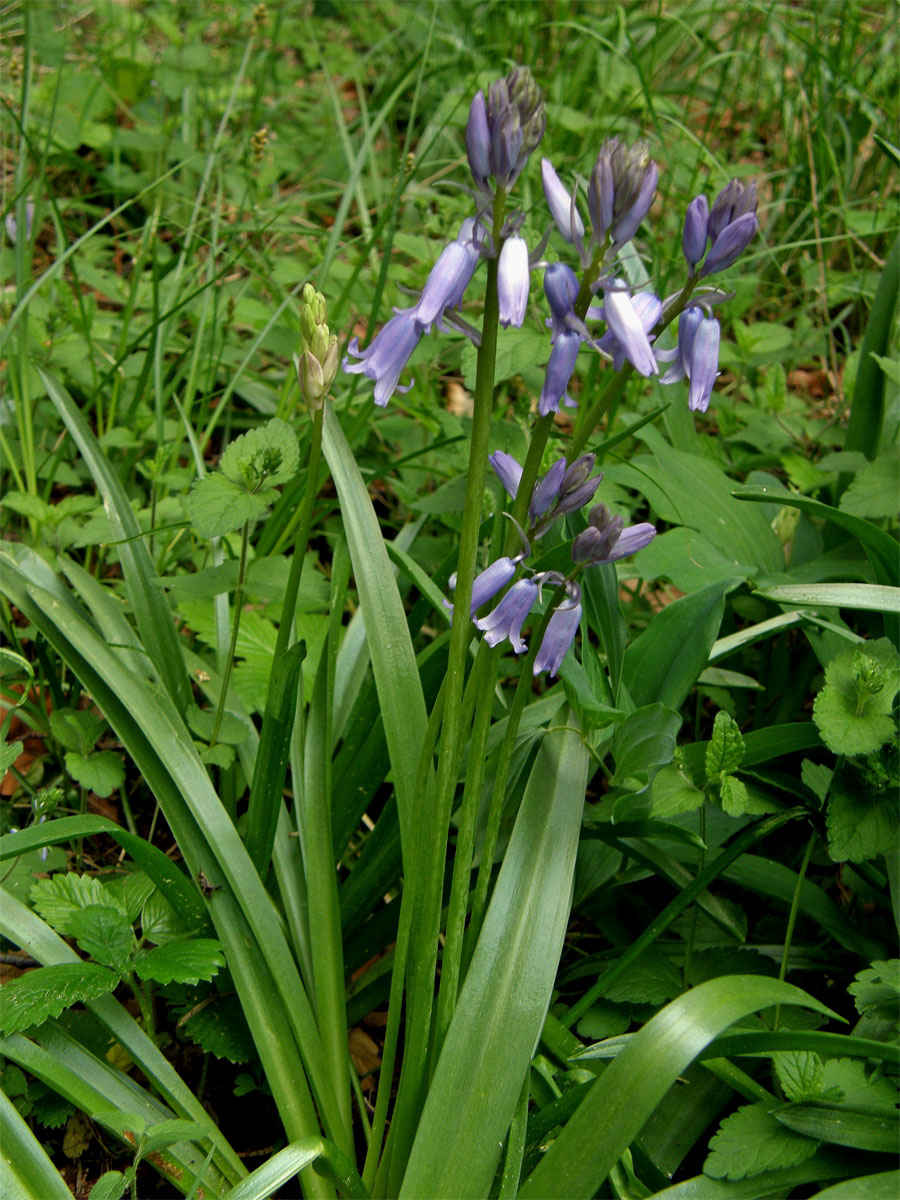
[505, 125]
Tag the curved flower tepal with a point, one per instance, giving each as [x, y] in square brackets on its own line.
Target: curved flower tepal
[561, 204]
[696, 357]
[559, 372]
[384, 359]
[628, 329]
[513, 277]
[447, 279]
[647, 308]
[508, 617]
[560, 632]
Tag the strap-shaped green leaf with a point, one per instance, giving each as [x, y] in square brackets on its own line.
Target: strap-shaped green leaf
[145, 591]
[26, 1173]
[618, 1104]
[390, 646]
[507, 990]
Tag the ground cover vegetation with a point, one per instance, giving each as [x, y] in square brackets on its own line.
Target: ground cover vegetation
[449, 600]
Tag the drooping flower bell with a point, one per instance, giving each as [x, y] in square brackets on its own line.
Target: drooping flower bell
[384, 359]
[630, 326]
[560, 632]
[513, 277]
[561, 203]
[507, 619]
[504, 128]
[695, 357]
[621, 190]
[448, 278]
[559, 372]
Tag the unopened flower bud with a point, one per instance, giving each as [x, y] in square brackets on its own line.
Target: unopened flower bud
[693, 239]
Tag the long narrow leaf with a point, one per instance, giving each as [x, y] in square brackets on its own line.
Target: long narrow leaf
[148, 599]
[26, 1173]
[508, 987]
[614, 1110]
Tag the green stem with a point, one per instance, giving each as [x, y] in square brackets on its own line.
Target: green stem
[689, 948]
[485, 669]
[792, 916]
[498, 795]
[304, 522]
[235, 626]
[437, 802]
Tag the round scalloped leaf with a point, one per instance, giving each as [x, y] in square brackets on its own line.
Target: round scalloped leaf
[217, 506]
[853, 709]
[267, 455]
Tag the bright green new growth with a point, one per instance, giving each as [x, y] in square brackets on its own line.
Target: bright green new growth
[853, 709]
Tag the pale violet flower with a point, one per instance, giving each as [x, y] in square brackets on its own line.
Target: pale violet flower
[384, 359]
[561, 203]
[628, 330]
[559, 372]
[561, 290]
[447, 280]
[512, 281]
[695, 357]
[647, 308]
[508, 617]
[560, 632]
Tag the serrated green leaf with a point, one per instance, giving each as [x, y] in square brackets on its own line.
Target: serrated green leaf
[266, 455]
[674, 793]
[604, 1019]
[27, 505]
[45, 992]
[217, 506]
[848, 1076]
[801, 1074]
[652, 979]
[49, 1108]
[876, 990]
[181, 962]
[860, 826]
[109, 1186]
[76, 729]
[130, 891]
[725, 751]
[101, 772]
[202, 721]
[57, 899]
[104, 934]
[853, 709]
[734, 796]
[874, 490]
[159, 921]
[751, 1141]
[221, 1029]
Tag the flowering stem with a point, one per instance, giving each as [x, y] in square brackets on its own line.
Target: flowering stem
[304, 521]
[498, 796]
[235, 626]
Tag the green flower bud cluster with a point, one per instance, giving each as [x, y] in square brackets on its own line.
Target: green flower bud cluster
[317, 363]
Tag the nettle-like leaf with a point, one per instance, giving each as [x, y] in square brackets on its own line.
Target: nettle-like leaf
[48, 1107]
[847, 1077]
[860, 825]
[102, 772]
[801, 1074]
[853, 709]
[181, 962]
[876, 990]
[202, 721]
[77, 729]
[651, 979]
[47, 991]
[674, 793]
[734, 796]
[104, 934]
[751, 1141]
[220, 1028]
[725, 751]
[217, 506]
[57, 899]
[873, 492]
[265, 456]
[160, 922]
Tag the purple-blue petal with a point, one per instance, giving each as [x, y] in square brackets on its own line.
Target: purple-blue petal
[558, 638]
[693, 239]
[507, 471]
[561, 203]
[703, 365]
[478, 140]
[626, 327]
[547, 489]
[507, 618]
[730, 244]
[494, 577]
[513, 277]
[559, 372]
